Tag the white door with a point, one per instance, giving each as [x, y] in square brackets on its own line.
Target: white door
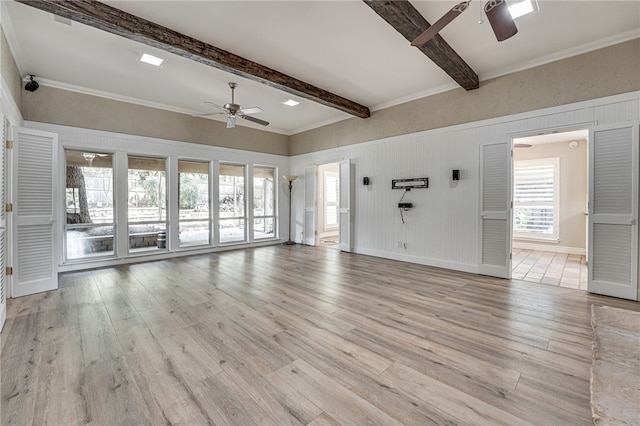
[309, 232]
[613, 210]
[495, 209]
[346, 207]
[3, 226]
[33, 252]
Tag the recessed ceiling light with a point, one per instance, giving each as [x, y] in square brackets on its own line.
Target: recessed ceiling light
[523, 7]
[291, 103]
[150, 59]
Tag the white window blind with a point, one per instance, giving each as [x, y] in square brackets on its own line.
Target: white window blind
[535, 199]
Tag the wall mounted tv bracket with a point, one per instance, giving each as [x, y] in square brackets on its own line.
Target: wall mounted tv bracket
[407, 185]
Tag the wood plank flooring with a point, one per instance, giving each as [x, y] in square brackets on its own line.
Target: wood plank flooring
[296, 336]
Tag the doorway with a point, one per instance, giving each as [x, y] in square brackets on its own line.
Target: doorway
[328, 197]
[550, 204]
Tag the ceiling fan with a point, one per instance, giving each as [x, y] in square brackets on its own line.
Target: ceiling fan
[234, 110]
[497, 12]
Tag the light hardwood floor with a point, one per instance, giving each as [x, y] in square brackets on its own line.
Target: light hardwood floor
[564, 270]
[296, 335]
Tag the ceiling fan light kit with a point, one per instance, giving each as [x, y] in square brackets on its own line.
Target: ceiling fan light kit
[497, 13]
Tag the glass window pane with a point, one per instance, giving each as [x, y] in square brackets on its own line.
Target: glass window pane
[263, 202]
[89, 241]
[89, 201]
[147, 189]
[147, 204]
[232, 203]
[194, 219]
[147, 237]
[231, 230]
[263, 228]
[194, 233]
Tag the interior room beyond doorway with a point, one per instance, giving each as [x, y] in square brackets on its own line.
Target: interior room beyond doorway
[328, 196]
[550, 204]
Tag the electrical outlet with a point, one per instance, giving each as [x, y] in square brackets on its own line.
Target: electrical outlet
[400, 244]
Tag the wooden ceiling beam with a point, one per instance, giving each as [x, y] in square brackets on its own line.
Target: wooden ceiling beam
[116, 21]
[402, 16]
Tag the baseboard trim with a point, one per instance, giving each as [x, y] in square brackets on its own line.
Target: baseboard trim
[455, 266]
[548, 247]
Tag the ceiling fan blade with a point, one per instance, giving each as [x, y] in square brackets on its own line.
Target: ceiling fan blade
[500, 19]
[434, 29]
[215, 105]
[231, 122]
[208, 114]
[255, 120]
[251, 110]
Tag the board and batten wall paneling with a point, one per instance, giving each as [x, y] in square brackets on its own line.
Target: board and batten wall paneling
[442, 228]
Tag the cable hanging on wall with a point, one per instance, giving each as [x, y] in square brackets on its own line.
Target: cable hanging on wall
[407, 185]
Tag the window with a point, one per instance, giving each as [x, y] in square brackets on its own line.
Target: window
[147, 206]
[535, 199]
[89, 229]
[232, 203]
[263, 203]
[195, 218]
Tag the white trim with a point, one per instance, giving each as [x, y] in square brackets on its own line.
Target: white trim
[436, 263]
[8, 104]
[547, 247]
[564, 54]
[137, 258]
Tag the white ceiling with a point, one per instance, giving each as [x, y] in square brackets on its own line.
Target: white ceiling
[340, 46]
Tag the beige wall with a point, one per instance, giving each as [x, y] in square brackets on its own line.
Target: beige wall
[9, 70]
[56, 106]
[573, 187]
[609, 71]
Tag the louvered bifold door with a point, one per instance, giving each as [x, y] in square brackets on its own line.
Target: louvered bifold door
[613, 210]
[3, 226]
[309, 233]
[33, 250]
[495, 210]
[346, 204]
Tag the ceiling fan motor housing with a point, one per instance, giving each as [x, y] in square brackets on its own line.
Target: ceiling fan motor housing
[233, 108]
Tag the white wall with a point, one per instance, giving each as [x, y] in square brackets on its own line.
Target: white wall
[78, 138]
[442, 228]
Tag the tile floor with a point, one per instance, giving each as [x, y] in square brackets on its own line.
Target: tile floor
[564, 270]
